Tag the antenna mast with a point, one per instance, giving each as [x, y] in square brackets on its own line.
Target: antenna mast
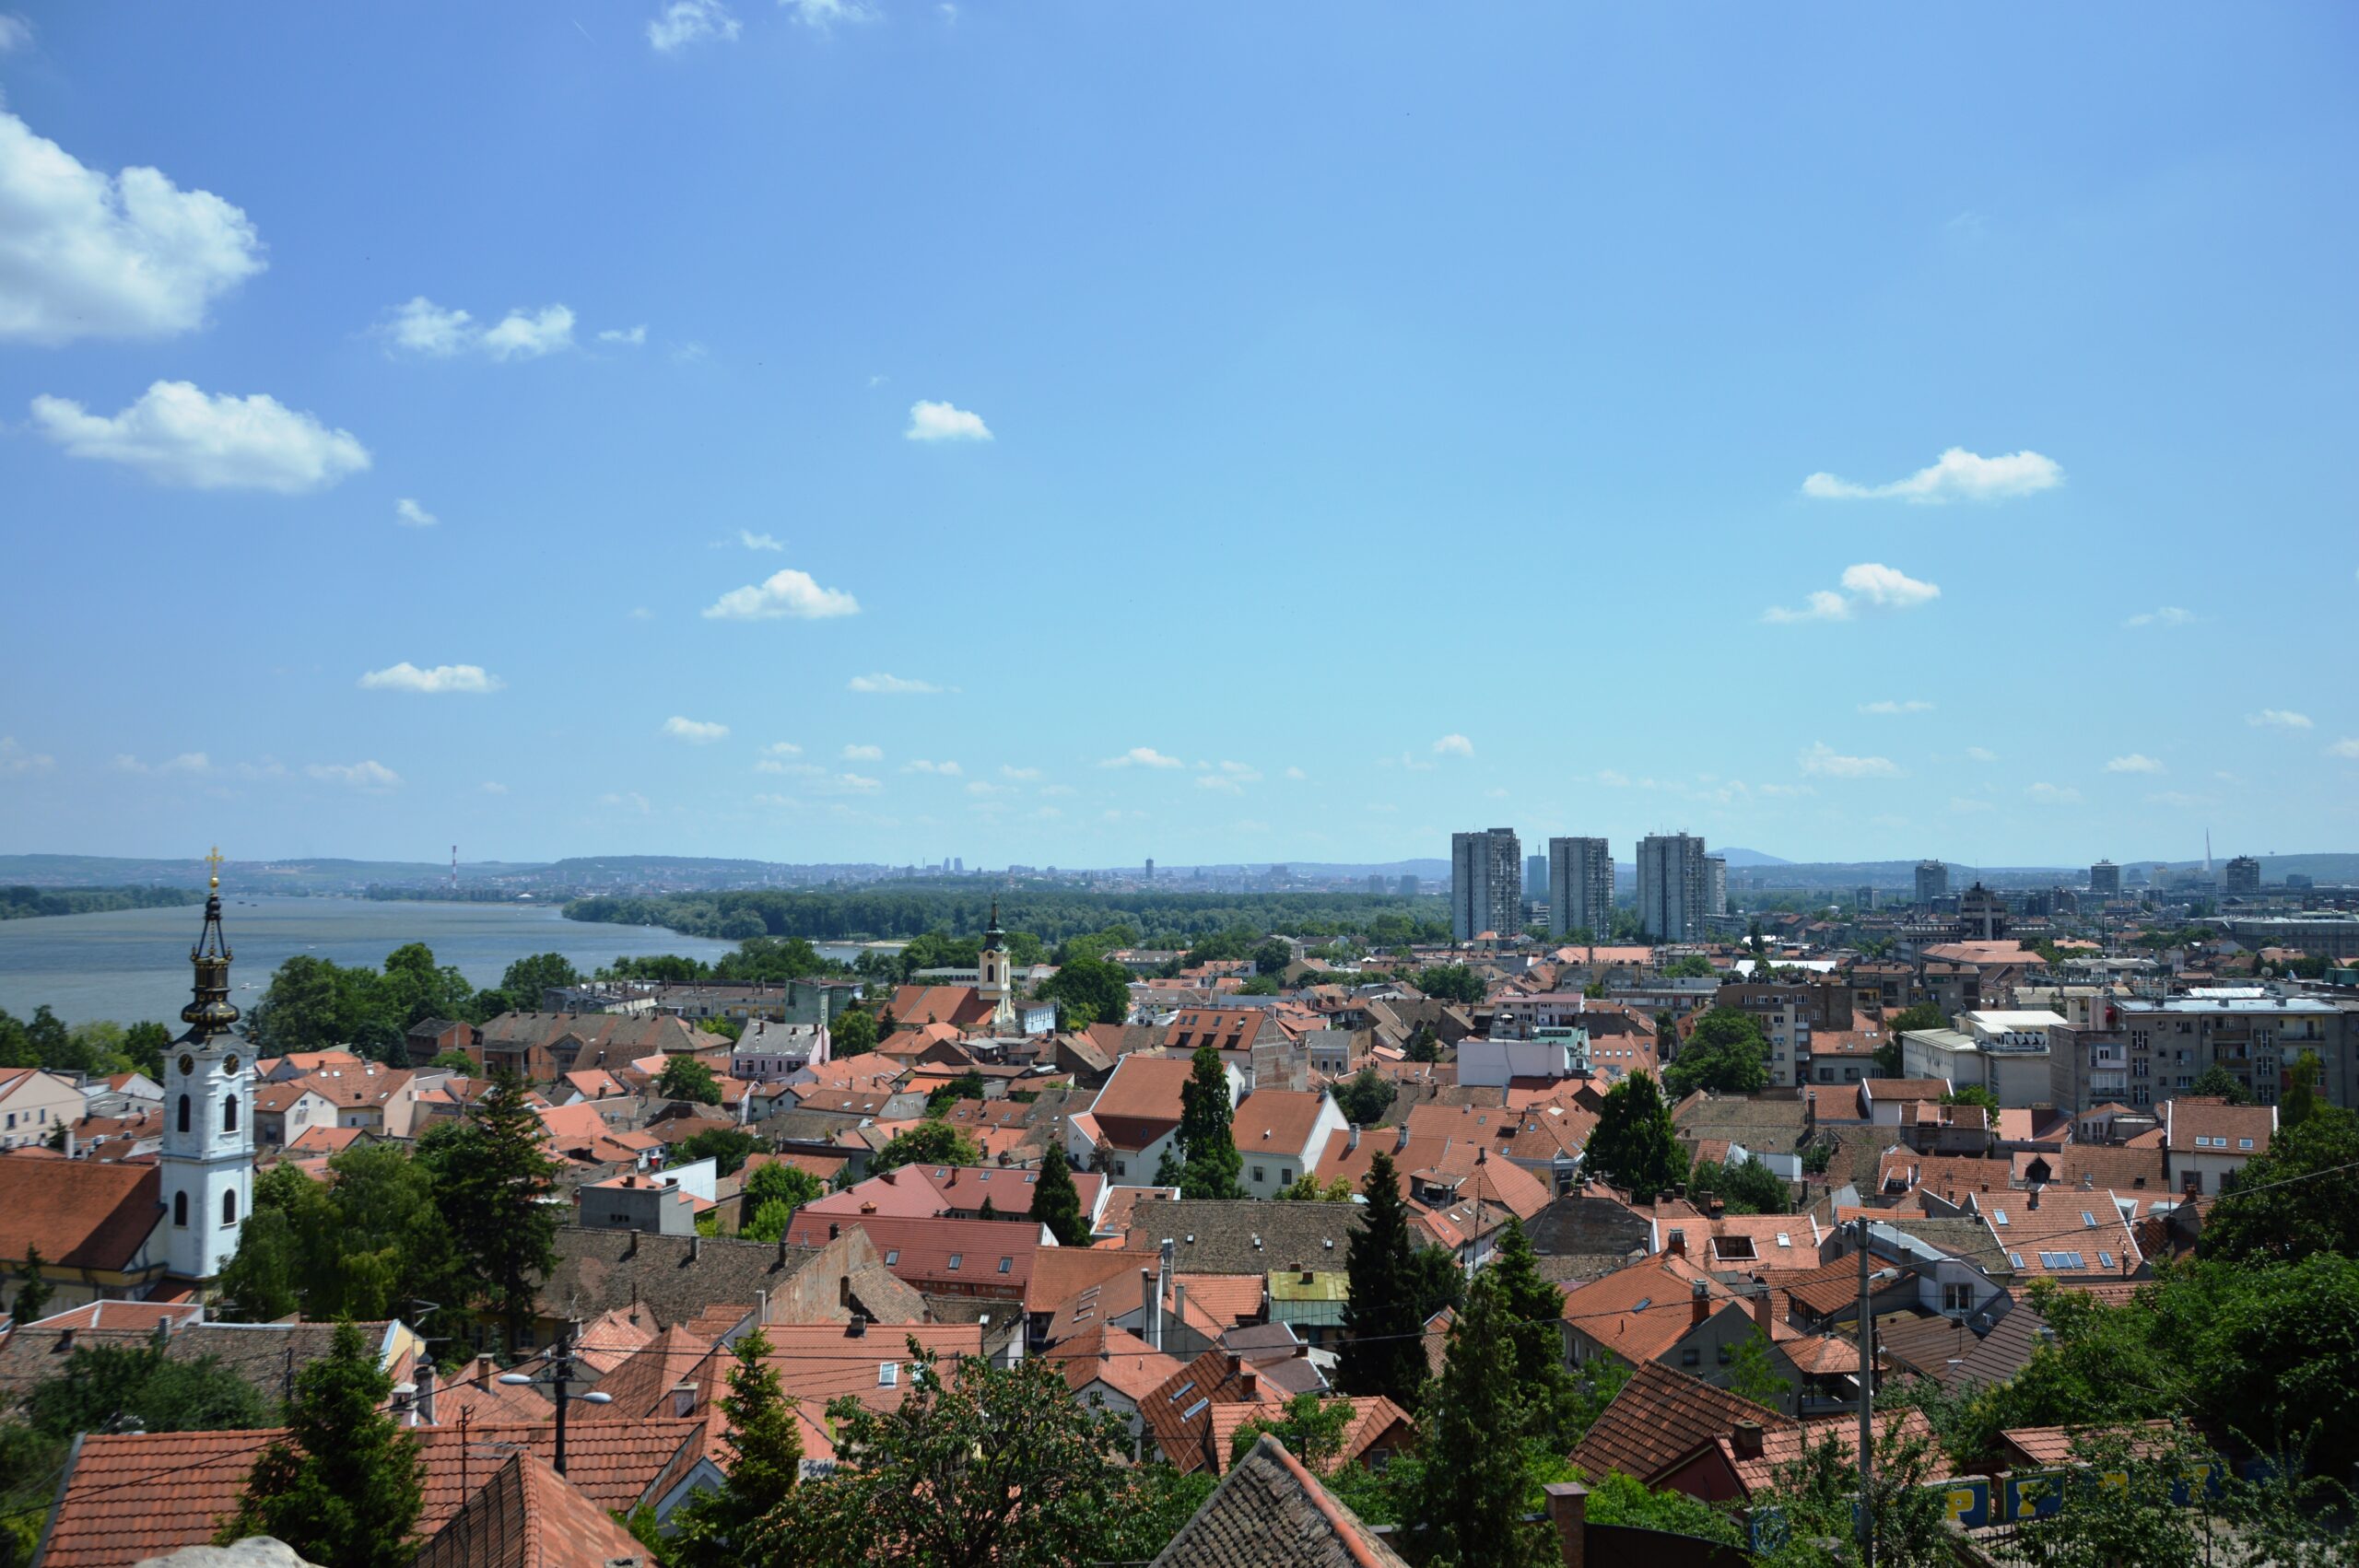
[454, 867]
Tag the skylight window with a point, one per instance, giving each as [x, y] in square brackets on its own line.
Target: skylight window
[892, 1257]
[1998, 1216]
[888, 1374]
[2105, 1259]
[954, 1259]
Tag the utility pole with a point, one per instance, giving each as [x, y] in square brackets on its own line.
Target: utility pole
[1867, 1409]
[560, 1377]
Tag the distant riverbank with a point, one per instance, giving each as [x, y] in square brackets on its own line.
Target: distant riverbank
[129, 964]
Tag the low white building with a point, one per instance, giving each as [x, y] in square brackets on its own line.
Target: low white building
[2006, 1052]
[34, 1104]
[1490, 1063]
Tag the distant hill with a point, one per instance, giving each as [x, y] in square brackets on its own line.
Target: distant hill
[302, 875]
[1750, 858]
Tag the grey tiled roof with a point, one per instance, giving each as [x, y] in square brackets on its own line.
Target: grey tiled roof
[1269, 1511]
[1220, 1237]
[673, 1277]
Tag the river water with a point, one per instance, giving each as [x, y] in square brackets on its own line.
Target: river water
[130, 964]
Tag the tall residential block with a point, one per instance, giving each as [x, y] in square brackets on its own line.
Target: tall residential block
[1486, 884]
[2241, 875]
[1716, 885]
[1580, 887]
[2104, 880]
[1933, 882]
[1673, 886]
[1535, 877]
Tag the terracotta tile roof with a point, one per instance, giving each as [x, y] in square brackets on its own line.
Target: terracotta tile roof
[1228, 1298]
[958, 1005]
[820, 1362]
[1641, 1311]
[131, 1317]
[641, 1386]
[82, 1214]
[1116, 1357]
[1374, 1417]
[1276, 1120]
[527, 1516]
[143, 1494]
[1060, 1273]
[2214, 1126]
[1659, 1417]
[358, 1087]
[2046, 1447]
[324, 1140]
[978, 1256]
[1785, 1445]
[1271, 1511]
[2136, 1166]
[1144, 1088]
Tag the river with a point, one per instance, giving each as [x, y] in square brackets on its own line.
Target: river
[130, 964]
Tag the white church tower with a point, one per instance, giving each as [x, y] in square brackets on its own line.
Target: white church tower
[991, 976]
[208, 1158]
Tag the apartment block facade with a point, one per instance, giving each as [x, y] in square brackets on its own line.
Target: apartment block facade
[1580, 887]
[1486, 884]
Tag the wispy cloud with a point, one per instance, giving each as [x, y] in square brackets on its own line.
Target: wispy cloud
[1888, 706]
[420, 327]
[442, 680]
[1982, 753]
[1868, 582]
[1142, 756]
[1827, 763]
[180, 436]
[696, 732]
[2345, 748]
[753, 541]
[1956, 475]
[782, 748]
[1221, 782]
[825, 14]
[1018, 773]
[630, 800]
[2169, 615]
[946, 770]
[409, 514]
[942, 422]
[684, 22]
[864, 754]
[1453, 746]
[1824, 604]
[2278, 718]
[2053, 794]
[624, 337]
[879, 684]
[370, 776]
[784, 593]
[194, 763]
[2136, 762]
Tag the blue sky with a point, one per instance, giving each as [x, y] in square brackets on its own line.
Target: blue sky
[1256, 433]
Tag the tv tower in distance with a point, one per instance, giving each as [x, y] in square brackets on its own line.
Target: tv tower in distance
[454, 867]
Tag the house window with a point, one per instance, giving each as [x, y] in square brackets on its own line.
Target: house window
[179, 1209]
[953, 1262]
[1958, 1298]
[1258, 1174]
[1727, 1355]
[892, 1257]
[1691, 1356]
[1005, 1264]
[888, 1374]
[1286, 1175]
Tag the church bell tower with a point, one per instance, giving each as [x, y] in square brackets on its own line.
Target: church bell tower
[992, 981]
[208, 1158]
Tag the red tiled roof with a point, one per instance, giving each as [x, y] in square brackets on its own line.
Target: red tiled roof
[1661, 1416]
[978, 1256]
[527, 1516]
[82, 1214]
[1274, 1120]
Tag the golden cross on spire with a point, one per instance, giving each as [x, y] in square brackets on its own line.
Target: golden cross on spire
[213, 859]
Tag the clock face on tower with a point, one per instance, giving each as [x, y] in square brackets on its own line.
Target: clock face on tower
[230, 1064]
[188, 1064]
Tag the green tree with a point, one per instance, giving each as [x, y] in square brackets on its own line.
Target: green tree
[2218, 1081]
[1634, 1145]
[1056, 1203]
[1726, 1053]
[1451, 982]
[1312, 1430]
[495, 1184]
[1476, 1483]
[776, 1181]
[33, 1289]
[145, 1043]
[763, 1463]
[1755, 1376]
[1384, 1350]
[684, 1078]
[1692, 967]
[1531, 1308]
[1974, 1095]
[104, 1387]
[1811, 1500]
[1364, 1097]
[344, 1485]
[852, 1033]
[459, 1062]
[965, 1086]
[927, 1143]
[2301, 1090]
[1616, 1498]
[525, 981]
[978, 1467]
[2261, 1218]
[1102, 988]
[1307, 1188]
[363, 1245]
[1272, 957]
[1424, 1045]
[727, 1147]
[1206, 1139]
[767, 1222]
[1745, 1186]
[1922, 1015]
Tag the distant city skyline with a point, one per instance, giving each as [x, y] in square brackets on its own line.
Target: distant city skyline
[835, 452]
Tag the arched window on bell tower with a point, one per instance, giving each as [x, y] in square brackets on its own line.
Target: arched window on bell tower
[230, 1207]
[184, 1105]
[230, 1114]
[179, 1209]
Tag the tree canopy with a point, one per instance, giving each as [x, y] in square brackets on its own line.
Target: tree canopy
[1383, 1350]
[1634, 1144]
[1207, 1142]
[1093, 984]
[686, 1078]
[927, 1143]
[493, 1180]
[1056, 1203]
[1726, 1053]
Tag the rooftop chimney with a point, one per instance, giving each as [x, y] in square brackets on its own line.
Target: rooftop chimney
[1746, 1440]
[423, 1401]
[1568, 1511]
[1154, 1308]
[1676, 1242]
[1699, 1301]
[1354, 1143]
[684, 1397]
[1764, 1310]
[1248, 1383]
[2032, 1201]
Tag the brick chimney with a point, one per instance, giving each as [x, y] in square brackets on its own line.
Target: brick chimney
[1746, 1440]
[1764, 1310]
[1354, 1143]
[1676, 1242]
[2032, 1201]
[423, 1401]
[1699, 1304]
[1568, 1511]
[1248, 1383]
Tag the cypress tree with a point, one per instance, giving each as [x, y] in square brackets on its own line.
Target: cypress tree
[492, 1179]
[345, 1483]
[1205, 1132]
[1476, 1484]
[1384, 1347]
[765, 1449]
[33, 1292]
[1634, 1144]
[1056, 1203]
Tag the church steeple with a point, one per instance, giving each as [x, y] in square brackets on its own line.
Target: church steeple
[994, 938]
[991, 973]
[206, 1160]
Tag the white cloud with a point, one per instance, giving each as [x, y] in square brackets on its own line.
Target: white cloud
[696, 732]
[1220, 782]
[493, 786]
[523, 337]
[195, 762]
[1018, 773]
[84, 254]
[420, 326]
[1958, 476]
[799, 769]
[359, 775]
[2136, 762]
[753, 541]
[1828, 763]
[782, 748]
[1880, 584]
[941, 422]
[825, 14]
[1059, 789]
[177, 435]
[864, 754]
[882, 684]
[1243, 772]
[858, 784]
[2054, 794]
[1825, 605]
[2345, 748]
[1888, 706]
[408, 513]
[684, 22]
[1296, 773]
[1982, 753]
[1453, 746]
[627, 337]
[16, 32]
[407, 677]
[2278, 718]
[947, 770]
[782, 593]
[1142, 756]
[2169, 615]
[641, 612]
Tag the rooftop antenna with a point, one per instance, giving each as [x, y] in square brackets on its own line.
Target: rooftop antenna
[2206, 851]
[454, 867]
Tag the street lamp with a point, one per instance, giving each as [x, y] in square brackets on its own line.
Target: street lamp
[560, 1377]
